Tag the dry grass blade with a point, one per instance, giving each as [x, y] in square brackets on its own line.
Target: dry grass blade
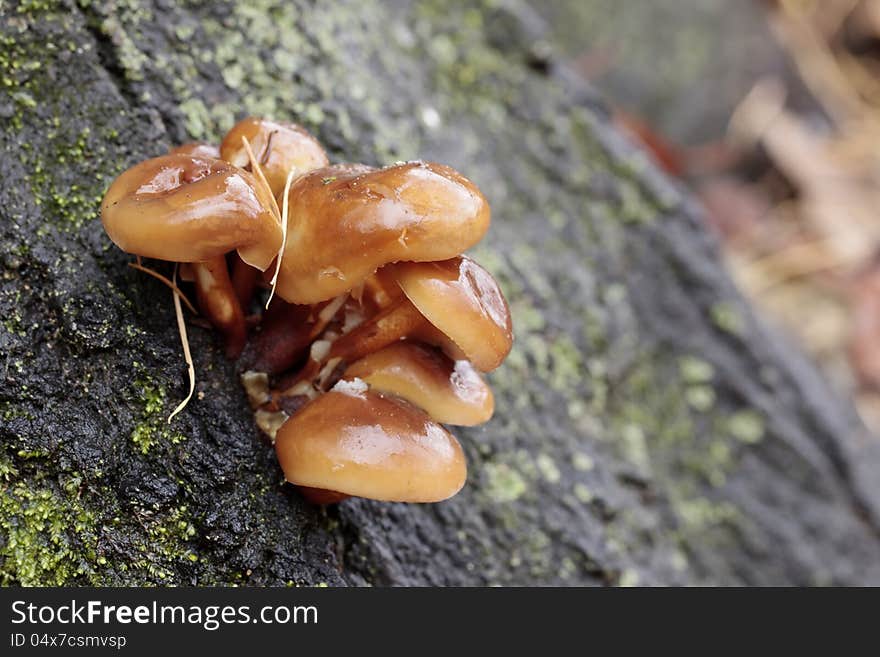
[160, 277]
[181, 327]
[285, 204]
[258, 172]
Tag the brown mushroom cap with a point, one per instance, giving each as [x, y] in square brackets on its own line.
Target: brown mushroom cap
[358, 442]
[452, 392]
[197, 149]
[191, 209]
[345, 222]
[279, 148]
[464, 302]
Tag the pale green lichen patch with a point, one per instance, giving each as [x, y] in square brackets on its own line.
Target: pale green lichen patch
[548, 468]
[701, 514]
[503, 483]
[695, 370]
[583, 493]
[583, 462]
[700, 397]
[746, 426]
[628, 578]
[634, 447]
[728, 318]
[655, 426]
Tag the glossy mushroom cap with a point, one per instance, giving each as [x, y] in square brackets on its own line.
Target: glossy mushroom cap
[452, 392]
[345, 222]
[279, 148]
[464, 302]
[358, 442]
[191, 209]
[196, 149]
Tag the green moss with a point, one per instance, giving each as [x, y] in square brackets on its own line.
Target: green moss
[7, 469]
[50, 538]
[153, 426]
[168, 541]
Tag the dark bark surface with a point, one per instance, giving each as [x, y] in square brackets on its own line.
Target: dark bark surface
[648, 430]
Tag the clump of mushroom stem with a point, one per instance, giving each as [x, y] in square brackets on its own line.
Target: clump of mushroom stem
[375, 328]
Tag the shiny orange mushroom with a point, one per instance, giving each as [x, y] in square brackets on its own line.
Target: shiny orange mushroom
[280, 149]
[346, 221]
[196, 149]
[451, 392]
[191, 209]
[354, 441]
[464, 302]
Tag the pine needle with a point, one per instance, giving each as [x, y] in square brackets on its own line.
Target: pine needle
[181, 327]
[258, 172]
[174, 288]
[279, 215]
[285, 205]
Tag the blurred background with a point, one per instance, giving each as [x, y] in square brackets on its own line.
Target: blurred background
[769, 111]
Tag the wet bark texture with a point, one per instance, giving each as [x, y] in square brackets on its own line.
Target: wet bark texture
[648, 429]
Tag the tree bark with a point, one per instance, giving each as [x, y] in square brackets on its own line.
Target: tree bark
[649, 430]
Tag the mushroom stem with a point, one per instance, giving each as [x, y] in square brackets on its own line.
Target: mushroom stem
[244, 280]
[381, 289]
[390, 325]
[283, 338]
[286, 331]
[394, 323]
[219, 302]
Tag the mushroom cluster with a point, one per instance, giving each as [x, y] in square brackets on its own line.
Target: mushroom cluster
[377, 329]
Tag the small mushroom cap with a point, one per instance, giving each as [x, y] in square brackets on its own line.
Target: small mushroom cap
[279, 148]
[347, 221]
[197, 149]
[464, 302]
[355, 441]
[452, 392]
[191, 209]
